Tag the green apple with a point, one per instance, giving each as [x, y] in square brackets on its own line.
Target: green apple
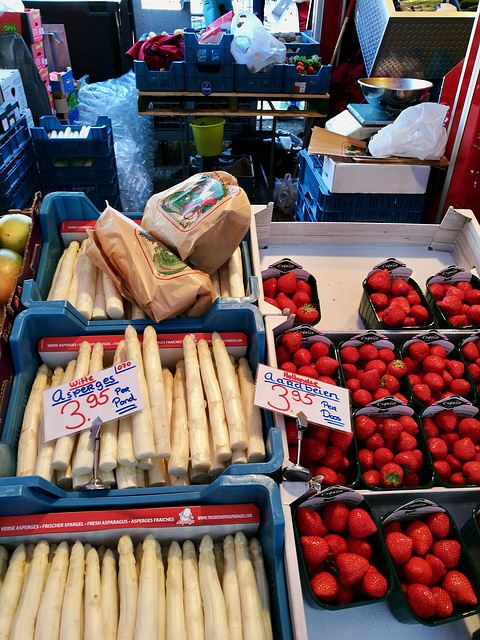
[14, 230]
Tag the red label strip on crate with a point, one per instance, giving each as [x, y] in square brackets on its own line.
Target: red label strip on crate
[179, 522]
[71, 230]
[58, 351]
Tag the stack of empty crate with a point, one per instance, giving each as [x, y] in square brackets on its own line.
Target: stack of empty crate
[18, 171]
[78, 158]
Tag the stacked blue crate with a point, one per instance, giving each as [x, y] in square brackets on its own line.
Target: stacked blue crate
[208, 67]
[69, 161]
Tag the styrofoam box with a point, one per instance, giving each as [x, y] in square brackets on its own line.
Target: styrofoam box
[348, 176]
[11, 86]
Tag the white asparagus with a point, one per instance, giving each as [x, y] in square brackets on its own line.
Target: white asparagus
[161, 592]
[141, 484]
[23, 625]
[239, 456]
[128, 589]
[192, 598]
[84, 455]
[178, 461]
[136, 312]
[216, 467]
[4, 556]
[93, 609]
[224, 281]
[146, 627]
[49, 613]
[232, 398]
[108, 576]
[108, 477]
[125, 452]
[78, 482]
[231, 589]
[256, 555]
[29, 550]
[235, 274]
[99, 311]
[253, 415]
[28, 442]
[252, 616]
[152, 365]
[168, 384]
[126, 477]
[138, 553]
[175, 613]
[77, 274]
[51, 554]
[215, 278]
[63, 478]
[11, 590]
[157, 476]
[145, 465]
[113, 298]
[55, 274]
[62, 282]
[219, 560]
[142, 427]
[198, 477]
[196, 413]
[215, 612]
[109, 437]
[86, 289]
[65, 444]
[216, 412]
[178, 481]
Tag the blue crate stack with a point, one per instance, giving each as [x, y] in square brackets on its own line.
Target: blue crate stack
[18, 172]
[78, 164]
[209, 67]
[315, 203]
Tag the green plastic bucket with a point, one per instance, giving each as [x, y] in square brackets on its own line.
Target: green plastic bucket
[208, 134]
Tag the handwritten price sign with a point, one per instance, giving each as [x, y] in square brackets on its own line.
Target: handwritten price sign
[291, 394]
[108, 394]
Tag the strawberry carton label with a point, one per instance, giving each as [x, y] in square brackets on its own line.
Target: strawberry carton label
[416, 509]
[460, 406]
[336, 493]
[386, 408]
[369, 337]
[450, 274]
[310, 335]
[396, 268]
[430, 338]
[285, 265]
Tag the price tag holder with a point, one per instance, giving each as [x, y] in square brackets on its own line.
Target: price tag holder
[289, 393]
[108, 395]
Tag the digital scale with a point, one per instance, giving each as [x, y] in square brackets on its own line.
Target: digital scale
[360, 121]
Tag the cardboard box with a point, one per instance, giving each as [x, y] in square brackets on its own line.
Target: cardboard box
[63, 84]
[11, 88]
[38, 53]
[27, 24]
[68, 118]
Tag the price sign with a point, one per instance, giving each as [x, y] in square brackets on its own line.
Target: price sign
[291, 394]
[108, 394]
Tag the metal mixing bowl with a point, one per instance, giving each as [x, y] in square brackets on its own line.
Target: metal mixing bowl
[394, 93]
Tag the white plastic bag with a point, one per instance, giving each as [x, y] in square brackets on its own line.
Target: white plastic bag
[253, 45]
[285, 194]
[418, 132]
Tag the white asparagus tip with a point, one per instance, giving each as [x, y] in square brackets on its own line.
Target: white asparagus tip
[241, 539]
[188, 546]
[125, 544]
[149, 541]
[206, 544]
[174, 550]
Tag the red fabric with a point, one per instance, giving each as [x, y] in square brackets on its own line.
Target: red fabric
[302, 9]
[158, 52]
[344, 88]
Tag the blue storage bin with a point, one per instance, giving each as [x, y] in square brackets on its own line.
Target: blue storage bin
[36, 323]
[96, 171]
[303, 209]
[98, 142]
[22, 185]
[209, 78]
[307, 47]
[347, 207]
[97, 193]
[195, 52]
[171, 80]
[12, 172]
[13, 141]
[247, 82]
[293, 82]
[27, 498]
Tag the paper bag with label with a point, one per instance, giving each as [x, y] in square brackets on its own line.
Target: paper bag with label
[145, 271]
[202, 219]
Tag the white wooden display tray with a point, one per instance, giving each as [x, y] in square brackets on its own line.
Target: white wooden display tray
[339, 255]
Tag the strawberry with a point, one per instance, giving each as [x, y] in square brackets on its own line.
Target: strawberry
[292, 341]
[405, 442]
[349, 355]
[287, 282]
[413, 298]
[446, 420]
[300, 298]
[368, 352]
[341, 440]
[430, 429]
[375, 441]
[308, 371]
[417, 569]
[422, 393]
[399, 546]
[443, 603]
[312, 450]
[370, 380]
[284, 302]
[309, 522]
[421, 600]
[409, 424]
[454, 462]
[464, 449]
[387, 355]
[302, 357]
[471, 471]
[397, 368]
[306, 314]
[469, 428]
[421, 536]
[434, 381]
[437, 290]
[470, 350]
[448, 551]
[455, 368]
[335, 516]
[365, 459]
[459, 320]
[439, 524]
[459, 588]
[391, 475]
[380, 281]
[457, 479]
[271, 301]
[270, 287]
[330, 477]
[360, 546]
[376, 364]
[282, 355]
[360, 524]
[379, 300]
[438, 448]
[472, 296]
[319, 349]
[391, 428]
[451, 305]
[372, 477]
[408, 462]
[433, 364]
[460, 387]
[314, 549]
[399, 288]
[351, 567]
[333, 458]
[393, 526]
[374, 584]
[326, 366]
[473, 314]
[324, 586]
[364, 427]
[394, 316]
[288, 366]
[418, 351]
[438, 568]
[336, 544]
[302, 285]
[419, 313]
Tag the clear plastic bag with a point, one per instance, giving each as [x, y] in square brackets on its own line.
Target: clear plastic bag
[418, 132]
[285, 194]
[253, 45]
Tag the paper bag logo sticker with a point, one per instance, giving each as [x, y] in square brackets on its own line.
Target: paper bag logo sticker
[186, 517]
[187, 207]
[162, 261]
[353, 150]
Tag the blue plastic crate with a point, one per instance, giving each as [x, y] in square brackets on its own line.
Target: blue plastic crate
[303, 209]
[99, 141]
[11, 173]
[209, 78]
[25, 184]
[247, 82]
[307, 47]
[98, 171]
[98, 193]
[195, 52]
[171, 80]
[347, 207]
[27, 498]
[12, 142]
[293, 82]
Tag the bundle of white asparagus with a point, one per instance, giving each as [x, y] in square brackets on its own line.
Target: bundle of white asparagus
[193, 424]
[96, 296]
[58, 592]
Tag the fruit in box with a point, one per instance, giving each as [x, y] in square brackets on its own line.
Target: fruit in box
[14, 230]
[456, 294]
[314, 359]
[471, 354]
[10, 267]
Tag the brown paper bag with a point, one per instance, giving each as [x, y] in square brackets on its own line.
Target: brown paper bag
[202, 219]
[145, 271]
